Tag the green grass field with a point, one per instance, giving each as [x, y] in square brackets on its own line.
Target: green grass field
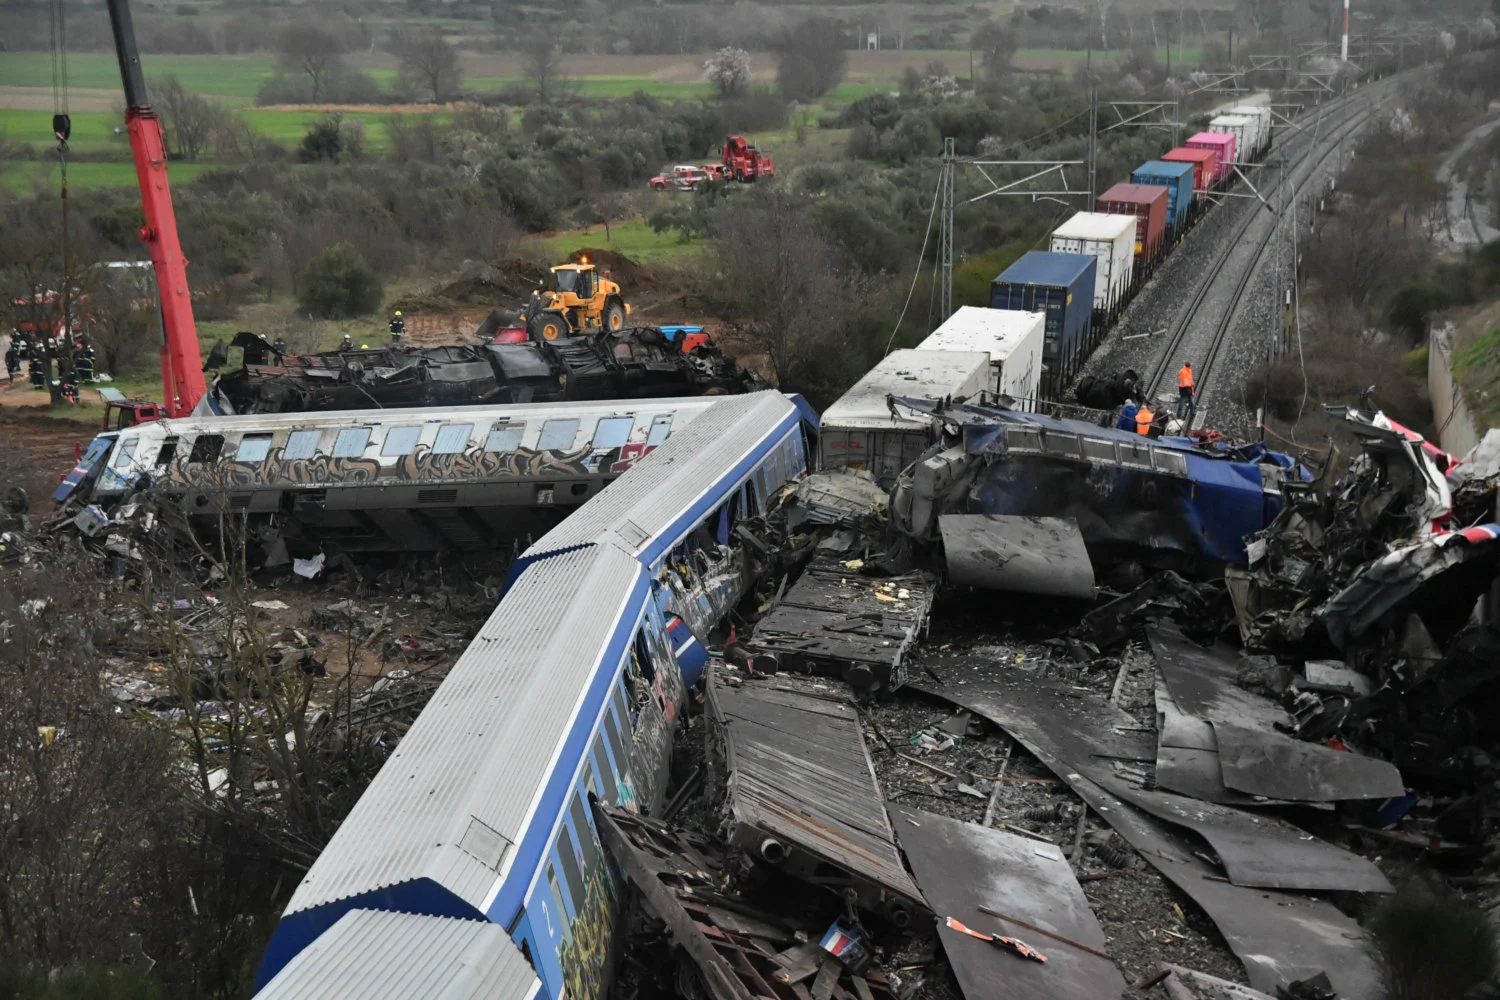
[636, 240]
[216, 76]
[24, 175]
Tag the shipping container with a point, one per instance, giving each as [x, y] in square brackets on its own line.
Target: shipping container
[1062, 286]
[1148, 203]
[1011, 338]
[1205, 163]
[1260, 137]
[1224, 146]
[1177, 178]
[1111, 239]
[1242, 127]
[858, 430]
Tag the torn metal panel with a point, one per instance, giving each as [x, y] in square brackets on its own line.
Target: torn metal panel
[1280, 937]
[1272, 764]
[1075, 735]
[802, 793]
[1214, 988]
[963, 866]
[1203, 682]
[833, 621]
[1027, 555]
[837, 496]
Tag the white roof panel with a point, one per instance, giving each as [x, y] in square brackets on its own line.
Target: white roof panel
[1096, 226]
[923, 374]
[997, 332]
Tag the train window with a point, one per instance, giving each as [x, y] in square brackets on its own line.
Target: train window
[578, 811]
[452, 439]
[660, 427]
[253, 448]
[610, 790]
[206, 448]
[400, 441]
[1099, 451]
[167, 453]
[567, 853]
[613, 432]
[558, 435]
[619, 717]
[301, 444]
[351, 442]
[504, 438]
[560, 918]
[126, 453]
[752, 498]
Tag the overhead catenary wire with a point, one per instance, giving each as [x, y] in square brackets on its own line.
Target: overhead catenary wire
[917, 272]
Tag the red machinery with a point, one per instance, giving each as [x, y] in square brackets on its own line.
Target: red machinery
[743, 162]
[181, 360]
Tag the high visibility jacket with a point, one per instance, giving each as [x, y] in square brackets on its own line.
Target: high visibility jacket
[1143, 418]
[1184, 377]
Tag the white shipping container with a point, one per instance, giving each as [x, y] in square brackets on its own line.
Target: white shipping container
[1262, 117]
[1012, 339]
[1242, 128]
[1111, 239]
[859, 431]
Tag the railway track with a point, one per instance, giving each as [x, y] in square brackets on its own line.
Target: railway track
[1203, 325]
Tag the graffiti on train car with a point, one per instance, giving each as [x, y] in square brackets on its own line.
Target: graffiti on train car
[584, 954]
[474, 465]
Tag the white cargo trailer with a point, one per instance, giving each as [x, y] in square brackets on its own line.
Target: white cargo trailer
[859, 431]
[1111, 239]
[1012, 339]
[1244, 130]
[1262, 118]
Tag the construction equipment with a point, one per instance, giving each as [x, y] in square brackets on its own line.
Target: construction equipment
[576, 299]
[743, 162]
[181, 359]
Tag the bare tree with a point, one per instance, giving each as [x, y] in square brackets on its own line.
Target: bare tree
[310, 49]
[777, 272]
[811, 59]
[427, 61]
[189, 120]
[542, 65]
[122, 316]
[996, 43]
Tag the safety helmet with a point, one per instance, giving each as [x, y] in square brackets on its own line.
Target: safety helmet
[398, 312]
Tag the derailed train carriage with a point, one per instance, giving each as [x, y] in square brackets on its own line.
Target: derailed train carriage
[477, 837]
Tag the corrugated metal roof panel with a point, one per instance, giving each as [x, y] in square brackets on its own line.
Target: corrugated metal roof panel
[1096, 226]
[997, 332]
[377, 955]
[1237, 120]
[1188, 155]
[480, 750]
[1216, 138]
[650, 498]
[1142, 194]
[1163, 168]
[922, 374]
[1057, 269]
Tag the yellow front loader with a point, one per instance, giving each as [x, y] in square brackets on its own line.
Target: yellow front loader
[576, 299]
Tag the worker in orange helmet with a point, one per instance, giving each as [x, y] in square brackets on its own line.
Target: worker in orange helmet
[1143, 418]
[1185, 396]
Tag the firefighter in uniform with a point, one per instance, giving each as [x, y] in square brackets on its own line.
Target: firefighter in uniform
[398, 328]
[1185, 398]
[83, 364]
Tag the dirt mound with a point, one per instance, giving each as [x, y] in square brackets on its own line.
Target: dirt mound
[626, 271]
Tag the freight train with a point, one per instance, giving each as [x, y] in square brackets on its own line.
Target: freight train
[1098, 260]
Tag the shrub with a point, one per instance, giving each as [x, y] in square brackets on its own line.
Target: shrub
[1412, 306]
[1431, 947]
[338, 283]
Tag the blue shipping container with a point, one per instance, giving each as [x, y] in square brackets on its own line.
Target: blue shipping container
[1062, 286]
[1175, 177]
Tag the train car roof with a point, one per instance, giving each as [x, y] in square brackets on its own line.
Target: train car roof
[378, 955]
[649, 511]
[449, 817]
[1042, 267]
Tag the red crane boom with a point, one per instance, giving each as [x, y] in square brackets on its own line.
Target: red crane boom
[182, 382]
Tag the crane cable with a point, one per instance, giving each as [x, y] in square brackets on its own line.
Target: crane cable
[62, 130]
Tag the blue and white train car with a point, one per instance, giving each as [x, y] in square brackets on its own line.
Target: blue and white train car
[571, 689]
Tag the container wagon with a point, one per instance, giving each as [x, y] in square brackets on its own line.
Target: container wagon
[1110, 239]
[1223, 145]
[1013, 341]
[1177, 178]
[1259, 137]
[1062, 286]
[1148, 203]
[858, 431]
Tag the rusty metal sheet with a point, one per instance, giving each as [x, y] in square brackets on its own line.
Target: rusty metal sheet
[1273, 764]
[803, 793]
[1027, 555]
[1077, 734]
[1279, 937]
[963, 866]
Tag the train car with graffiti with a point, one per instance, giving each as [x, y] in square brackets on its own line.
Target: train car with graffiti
[409, 479]
[571, 692]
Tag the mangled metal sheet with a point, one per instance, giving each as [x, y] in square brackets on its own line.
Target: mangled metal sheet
[963, 866]
[1280, 937]
[1272, 764]
[1077, 734]
[1027, 555]
[1204, 682]
[802, 793]
[833, 621]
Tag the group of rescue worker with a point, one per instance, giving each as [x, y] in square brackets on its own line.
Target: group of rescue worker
[35, 351]
[1138, 417]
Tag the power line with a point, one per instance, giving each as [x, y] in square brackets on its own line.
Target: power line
[926, 235]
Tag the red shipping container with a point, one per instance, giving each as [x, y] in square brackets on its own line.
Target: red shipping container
[1148, 203]
[1205, 162]
[1221, 143]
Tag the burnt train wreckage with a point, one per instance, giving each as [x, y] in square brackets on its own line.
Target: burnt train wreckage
[636, 363]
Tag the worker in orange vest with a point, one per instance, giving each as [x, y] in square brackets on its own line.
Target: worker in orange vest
[1143, 418]
[1185, 397]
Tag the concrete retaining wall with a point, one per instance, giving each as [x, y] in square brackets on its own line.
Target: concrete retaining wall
[1457, 432]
